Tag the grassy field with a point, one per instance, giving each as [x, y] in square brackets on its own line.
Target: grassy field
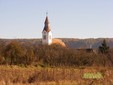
[15, 75]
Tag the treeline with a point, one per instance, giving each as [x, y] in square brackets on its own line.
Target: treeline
[16, 53]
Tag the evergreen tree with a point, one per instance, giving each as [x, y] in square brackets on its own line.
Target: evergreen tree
[104, 48]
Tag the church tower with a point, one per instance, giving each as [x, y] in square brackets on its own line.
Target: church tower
[46, 33]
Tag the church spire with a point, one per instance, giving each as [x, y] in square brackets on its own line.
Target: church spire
[47, 27]
[46, 33]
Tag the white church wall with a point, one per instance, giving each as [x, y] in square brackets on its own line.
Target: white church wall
[46, 38]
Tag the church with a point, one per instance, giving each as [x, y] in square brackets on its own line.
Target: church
[47, 38]
[46, 33]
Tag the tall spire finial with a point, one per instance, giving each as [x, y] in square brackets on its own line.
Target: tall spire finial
[46, 13]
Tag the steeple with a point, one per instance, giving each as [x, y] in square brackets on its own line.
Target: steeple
[46, 33]
[47, 26]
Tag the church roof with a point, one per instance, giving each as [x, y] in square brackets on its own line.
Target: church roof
[47, 27]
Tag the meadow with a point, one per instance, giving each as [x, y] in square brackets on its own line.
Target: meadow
[30, 75]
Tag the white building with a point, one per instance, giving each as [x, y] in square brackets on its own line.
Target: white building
[46, 33]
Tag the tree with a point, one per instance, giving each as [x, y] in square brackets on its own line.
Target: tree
[14, 53]
[104, 48]
[29, 57]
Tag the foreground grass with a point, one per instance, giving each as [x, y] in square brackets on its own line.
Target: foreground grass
[14, 75]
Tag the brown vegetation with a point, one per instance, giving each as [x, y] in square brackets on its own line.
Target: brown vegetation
[14, 75]
[52, 65]
[15, 53]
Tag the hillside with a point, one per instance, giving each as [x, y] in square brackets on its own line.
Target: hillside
[86, 43]
[70, 42]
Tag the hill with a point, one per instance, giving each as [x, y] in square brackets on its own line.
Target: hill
[86, 43]
[69, 42]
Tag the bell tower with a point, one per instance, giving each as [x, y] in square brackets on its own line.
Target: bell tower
[46, 33]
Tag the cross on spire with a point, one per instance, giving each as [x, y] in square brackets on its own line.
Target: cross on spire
[46, 13]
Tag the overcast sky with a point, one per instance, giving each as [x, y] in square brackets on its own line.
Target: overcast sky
[68, 18]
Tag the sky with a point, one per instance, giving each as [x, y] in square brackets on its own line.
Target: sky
[68, 18]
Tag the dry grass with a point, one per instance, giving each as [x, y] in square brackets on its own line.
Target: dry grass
[14, 75]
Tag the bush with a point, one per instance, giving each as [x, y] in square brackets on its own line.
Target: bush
[60, 56]
[53, 55]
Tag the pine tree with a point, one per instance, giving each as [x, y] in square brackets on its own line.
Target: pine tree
[104, 48]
